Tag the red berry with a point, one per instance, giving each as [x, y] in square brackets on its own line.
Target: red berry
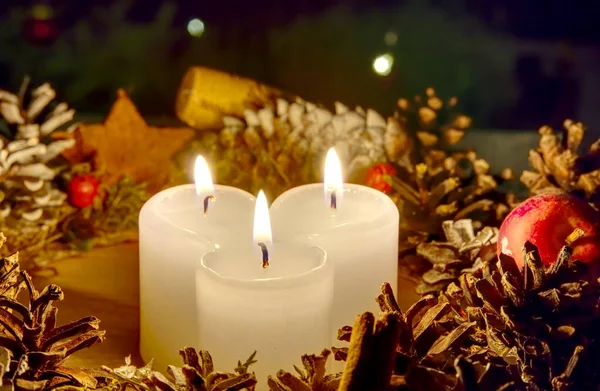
[82, 190]
[379, 177]
[546, 220]
[40, 32]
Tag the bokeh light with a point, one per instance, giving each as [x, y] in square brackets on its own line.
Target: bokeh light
[195, 27]
[390, 38]
[383, 64]
[41, 11]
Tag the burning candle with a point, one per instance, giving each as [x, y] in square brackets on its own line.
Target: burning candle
[177, 227]
[272, 297]
[358, 228]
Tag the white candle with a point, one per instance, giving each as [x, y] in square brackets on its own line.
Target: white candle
[281, 309]
[359, 234]
[174, 234]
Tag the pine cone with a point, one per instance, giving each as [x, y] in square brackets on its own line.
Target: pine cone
[33, 349]
[29, 193]
[9, 274]
[197, 373]
[539, 320]
[527, 330]
[433, 125]
[462, 252]
[463, 189]
[313, 378]
[559, 166]
[433, 185]
[284, 145]
[405, 347]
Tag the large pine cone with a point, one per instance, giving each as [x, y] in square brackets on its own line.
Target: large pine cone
[534, 329]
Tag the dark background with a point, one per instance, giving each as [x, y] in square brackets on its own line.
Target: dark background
[514, 64]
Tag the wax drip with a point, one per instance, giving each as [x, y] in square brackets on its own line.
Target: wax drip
[207, 201]
[265, 254]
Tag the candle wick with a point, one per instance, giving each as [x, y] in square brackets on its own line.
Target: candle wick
[207, 201]
[265, 254]
[333, 203]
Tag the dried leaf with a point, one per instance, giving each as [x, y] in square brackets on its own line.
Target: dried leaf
[125, 145]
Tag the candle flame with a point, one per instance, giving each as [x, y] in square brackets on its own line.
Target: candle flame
[204, 184]
[333, 183]
[262, 235]
[262, 222]
[202, 177]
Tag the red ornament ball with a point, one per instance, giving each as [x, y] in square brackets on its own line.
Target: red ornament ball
[82, 190]
[546, 220]
[379, 177]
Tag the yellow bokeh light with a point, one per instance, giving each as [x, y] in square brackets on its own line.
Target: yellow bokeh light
[41, 11]
[390, 38]
[195, 27]
[383, 64]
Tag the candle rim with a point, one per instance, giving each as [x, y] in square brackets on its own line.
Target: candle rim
[348, 188]
[324, 268]
[150, 205]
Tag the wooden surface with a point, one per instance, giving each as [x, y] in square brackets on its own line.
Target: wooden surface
[104, 283]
